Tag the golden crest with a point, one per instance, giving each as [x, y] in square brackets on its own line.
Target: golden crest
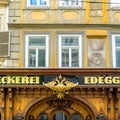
[60, 86]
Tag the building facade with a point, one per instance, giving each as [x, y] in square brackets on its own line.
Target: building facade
[48, 45]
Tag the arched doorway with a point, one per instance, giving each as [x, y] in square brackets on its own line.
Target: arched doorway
[59, 109]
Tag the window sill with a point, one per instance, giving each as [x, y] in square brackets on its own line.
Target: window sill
[38, 7]
[116, 8]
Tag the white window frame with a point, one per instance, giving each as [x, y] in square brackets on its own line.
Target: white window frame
[79, 47]
[46, 47]
[114, 49]
[61, 4]
[115, 3]
[38, 5]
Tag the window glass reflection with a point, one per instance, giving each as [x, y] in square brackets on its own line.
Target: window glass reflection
[60, 116]
[76, 117]
[43, 117]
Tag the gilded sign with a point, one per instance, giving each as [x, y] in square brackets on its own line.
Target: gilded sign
[19, 80]
[37, 80]
[102, 80]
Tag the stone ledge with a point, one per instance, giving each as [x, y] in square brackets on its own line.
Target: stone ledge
[4, 2]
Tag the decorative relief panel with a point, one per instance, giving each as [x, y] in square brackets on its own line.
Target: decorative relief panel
[96, 52]
[70, 15]
[38, 15]
[117, 16]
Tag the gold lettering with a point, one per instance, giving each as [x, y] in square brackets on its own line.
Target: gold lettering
[18, 80]
[37, 80]
[10, 80]
[87, 80]
[4, 80]
[101, 81]
[116, 80]
[25, 80]
[0, 81]
[94, 80]
[32, 80]
[108, 80]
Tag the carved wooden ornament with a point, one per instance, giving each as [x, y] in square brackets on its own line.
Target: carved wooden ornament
[60, 86]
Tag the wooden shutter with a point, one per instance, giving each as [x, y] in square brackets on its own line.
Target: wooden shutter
[4, 44]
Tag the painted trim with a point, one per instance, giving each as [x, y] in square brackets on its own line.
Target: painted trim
[107, 52]
[53, 62]
[104, 11]
[87, 11]
[96, 33]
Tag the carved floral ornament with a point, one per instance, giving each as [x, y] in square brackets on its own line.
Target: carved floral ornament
[60, 86]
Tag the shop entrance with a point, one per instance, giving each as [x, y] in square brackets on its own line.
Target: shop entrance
[59, 109]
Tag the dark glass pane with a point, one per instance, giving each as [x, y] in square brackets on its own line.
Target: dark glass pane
[118, 58]
[75, 2]
[65, 57]
[70, 41]
[41, 58]
[37, 41]
[76, 117]
[69, 2]
[42, 2]
[43, 117]
[75, 58]
[117, 41]
[60, 116]
[33, 2]
[32, 58]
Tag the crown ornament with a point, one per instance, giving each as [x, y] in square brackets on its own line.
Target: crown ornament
[60, 86]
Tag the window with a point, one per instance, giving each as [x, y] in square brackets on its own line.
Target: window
[70, 51]
[43, 117]
[116, 50]
[38, 2]
[69, 2]
[60, 116]
[115, 3]
[76, 117]
[37, 51]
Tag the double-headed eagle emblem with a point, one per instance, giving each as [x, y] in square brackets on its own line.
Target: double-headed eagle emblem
[60, 86]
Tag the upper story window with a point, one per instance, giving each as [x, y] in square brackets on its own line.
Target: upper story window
[69, 2]
[116, 50]
[70, 50]
[36, 51]
[38, 3]
[115, 3]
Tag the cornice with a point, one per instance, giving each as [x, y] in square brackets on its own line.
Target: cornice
[61, 25]
[4, 2]
[58, 71]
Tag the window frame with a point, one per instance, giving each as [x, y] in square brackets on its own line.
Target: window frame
[37, 5]
[115, 5]
[114, 50]
[46, 48]
[79, 47]
[70, 5]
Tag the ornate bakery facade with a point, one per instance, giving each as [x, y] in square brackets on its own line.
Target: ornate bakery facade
[59, 60]
[60, 94]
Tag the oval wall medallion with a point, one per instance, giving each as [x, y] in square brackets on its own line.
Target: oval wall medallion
[70, 15]
[117, 16]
